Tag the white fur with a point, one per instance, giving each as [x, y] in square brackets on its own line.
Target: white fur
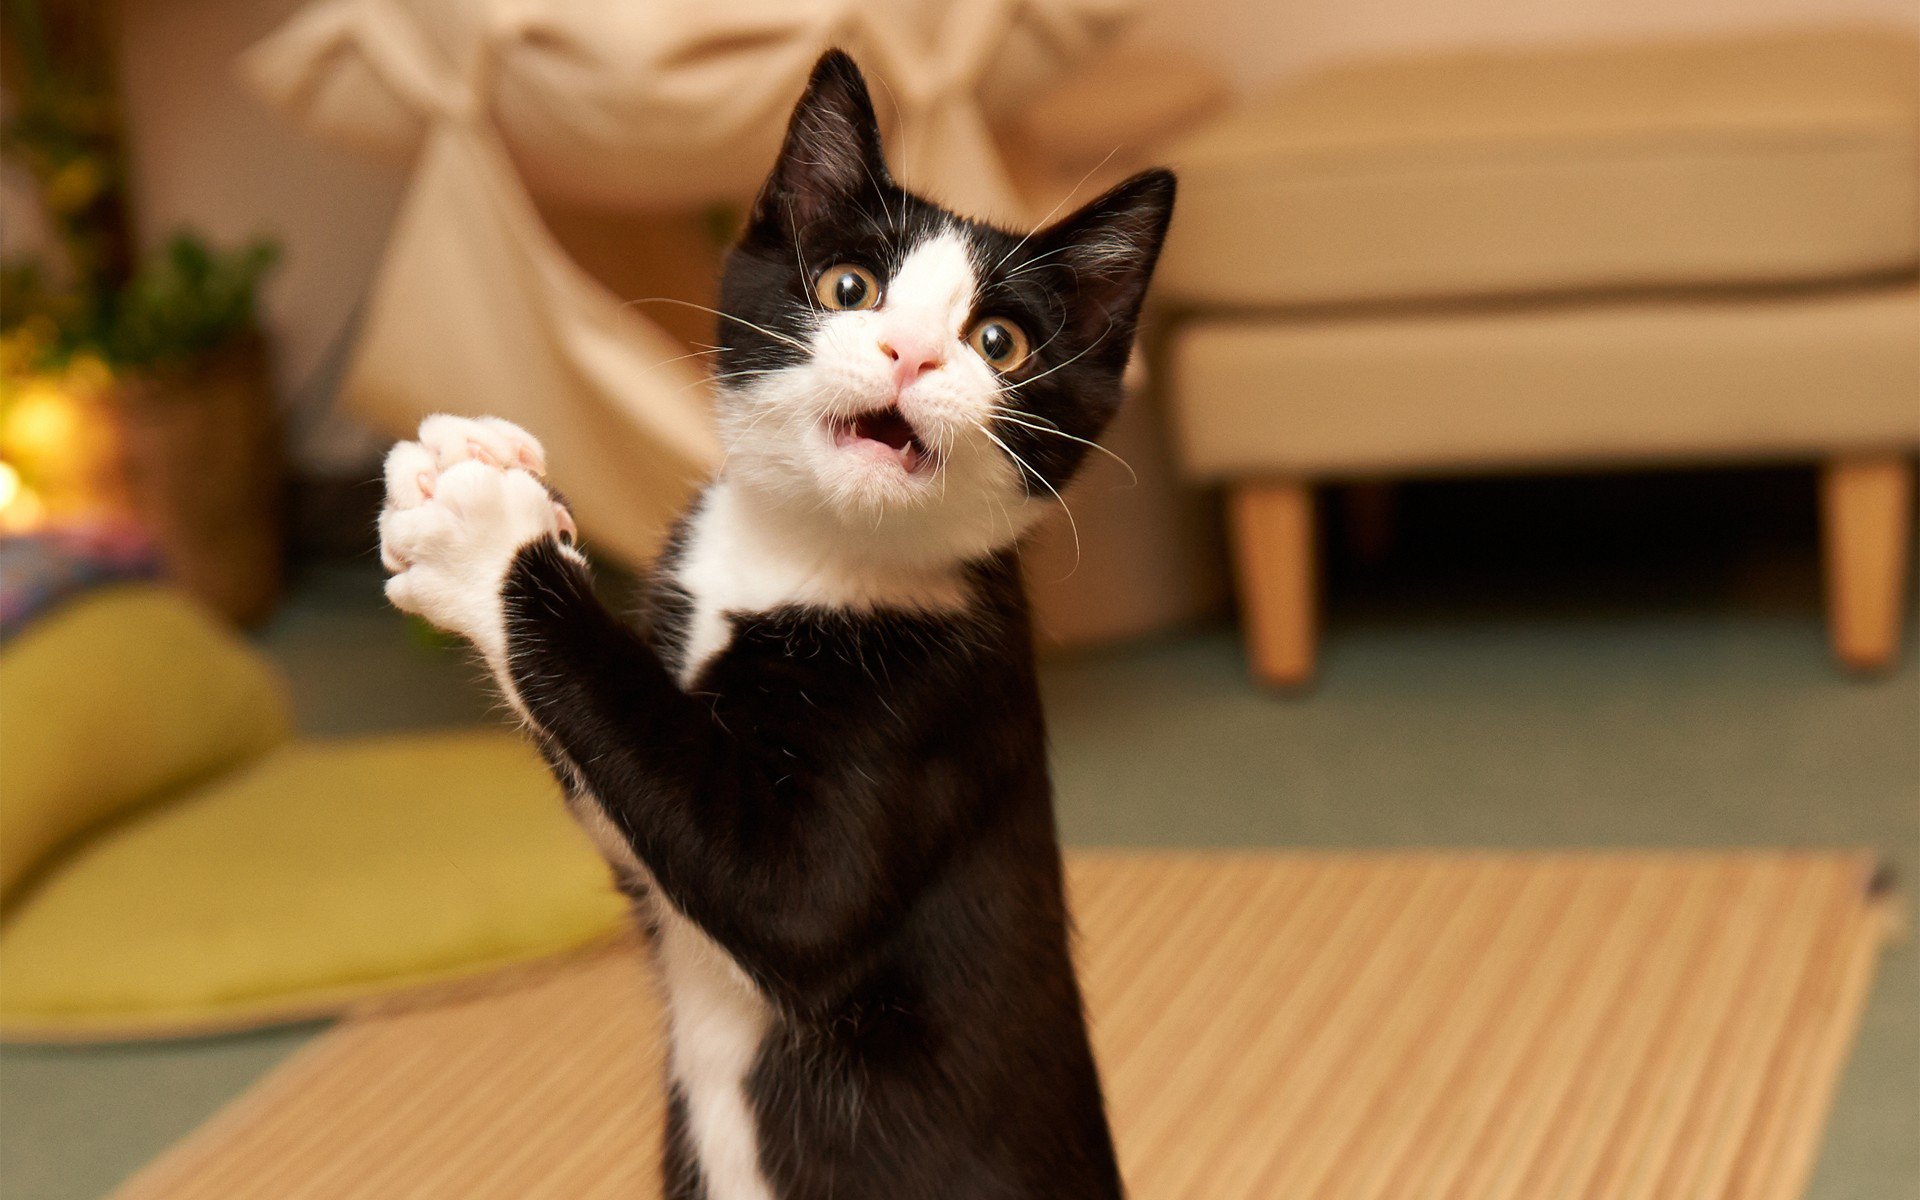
[780, 448]
[462, 501]
[716, 1020]
[603, 833]
[743, 557]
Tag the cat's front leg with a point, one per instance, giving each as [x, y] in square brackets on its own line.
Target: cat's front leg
[462, 501]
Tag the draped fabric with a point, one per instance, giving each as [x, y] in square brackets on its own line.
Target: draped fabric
[628, 104]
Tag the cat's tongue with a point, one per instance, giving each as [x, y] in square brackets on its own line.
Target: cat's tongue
[885, 431]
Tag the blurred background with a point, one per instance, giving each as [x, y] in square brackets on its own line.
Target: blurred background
[1520, 454]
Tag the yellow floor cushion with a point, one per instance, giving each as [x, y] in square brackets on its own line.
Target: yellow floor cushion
[114, 701]
[316, 875]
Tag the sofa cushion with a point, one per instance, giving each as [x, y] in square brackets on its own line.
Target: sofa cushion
[1776, 158]
[1768, 376]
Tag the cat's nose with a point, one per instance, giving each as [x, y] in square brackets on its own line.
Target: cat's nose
[911, 357]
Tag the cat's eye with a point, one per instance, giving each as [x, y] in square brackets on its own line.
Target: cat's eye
[1000, 342]
[847, 288]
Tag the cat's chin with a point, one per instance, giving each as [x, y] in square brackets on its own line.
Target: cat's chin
[864, 480]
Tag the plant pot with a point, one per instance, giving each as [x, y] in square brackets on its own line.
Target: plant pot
[205, 473]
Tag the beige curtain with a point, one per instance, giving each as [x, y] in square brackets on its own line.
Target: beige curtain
[621, 104]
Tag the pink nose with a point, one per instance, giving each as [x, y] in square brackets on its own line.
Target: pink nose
[912, 357]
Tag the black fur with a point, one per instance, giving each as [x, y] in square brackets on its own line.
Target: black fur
[858, 809]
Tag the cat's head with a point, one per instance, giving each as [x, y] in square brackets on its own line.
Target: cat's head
[927, 382]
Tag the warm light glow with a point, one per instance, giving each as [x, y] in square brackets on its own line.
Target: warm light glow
[44, 422]
[21, 509]
[60, 442]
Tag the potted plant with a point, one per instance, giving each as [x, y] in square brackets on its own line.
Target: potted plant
[158, 354]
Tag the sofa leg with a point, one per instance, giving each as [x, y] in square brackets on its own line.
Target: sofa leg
[1866, 517]
[1276, 560]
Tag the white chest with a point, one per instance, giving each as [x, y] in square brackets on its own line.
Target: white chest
[740, 559]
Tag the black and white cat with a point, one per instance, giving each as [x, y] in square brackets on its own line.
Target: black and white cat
[820, 768]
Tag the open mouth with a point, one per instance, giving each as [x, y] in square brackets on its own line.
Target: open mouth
[884, 431]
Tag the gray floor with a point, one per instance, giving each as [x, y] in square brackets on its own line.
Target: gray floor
[1566, 680]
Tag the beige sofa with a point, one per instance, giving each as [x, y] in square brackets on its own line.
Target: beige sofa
[1622, 255]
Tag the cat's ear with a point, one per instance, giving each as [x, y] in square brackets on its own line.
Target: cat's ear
[1110, 245]
[832, 150]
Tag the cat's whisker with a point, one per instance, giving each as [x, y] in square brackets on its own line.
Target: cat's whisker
[667, 362]
[726, 316]
[1091, 346]
[700, 353]
[898, 112]
[742, 373]
[1036, 262]
[725, 379]
[1058, 205]
[1059, 328]
[1071, 523]
[1001, 414]
[945, 442]
[800, 266]
[1007, 516]
[884, 232]
[879, 192]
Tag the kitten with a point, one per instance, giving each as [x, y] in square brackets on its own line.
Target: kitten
[820, 771]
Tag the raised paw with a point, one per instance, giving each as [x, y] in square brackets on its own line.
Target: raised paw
[461, 503]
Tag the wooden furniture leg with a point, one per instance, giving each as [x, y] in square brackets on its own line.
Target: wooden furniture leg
[1866, 517]
[1276, 562]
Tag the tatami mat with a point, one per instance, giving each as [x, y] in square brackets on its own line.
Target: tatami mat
[1349, 1027]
